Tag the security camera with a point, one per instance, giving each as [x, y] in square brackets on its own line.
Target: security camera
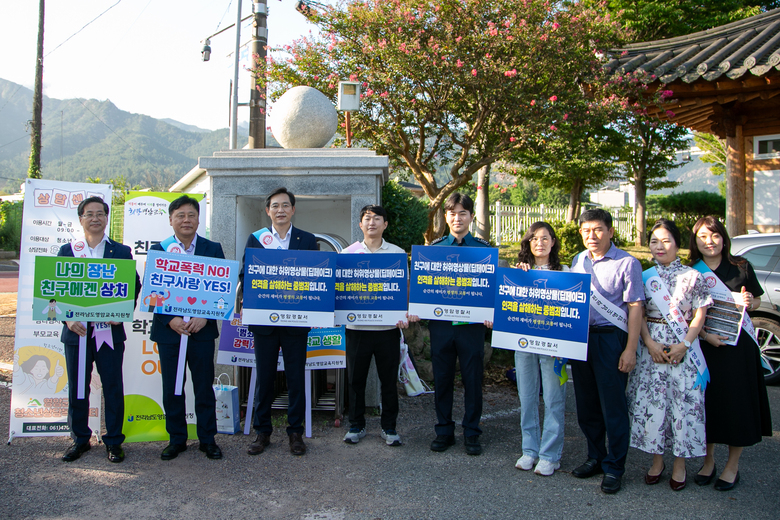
[206, 51]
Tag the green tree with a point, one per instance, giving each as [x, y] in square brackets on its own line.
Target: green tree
[450, 82]
[406, 215]
[714, 153]
[656, 19]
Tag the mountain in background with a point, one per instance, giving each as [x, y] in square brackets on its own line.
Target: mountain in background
[84, 138]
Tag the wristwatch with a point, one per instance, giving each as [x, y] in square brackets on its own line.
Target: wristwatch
[687, 343]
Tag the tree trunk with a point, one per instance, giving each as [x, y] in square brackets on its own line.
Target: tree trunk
[483, 203]
[37, 110]
[574, 201]
[640, 208]
[436, 225]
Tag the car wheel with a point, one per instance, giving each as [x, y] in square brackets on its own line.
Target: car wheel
[768, 332]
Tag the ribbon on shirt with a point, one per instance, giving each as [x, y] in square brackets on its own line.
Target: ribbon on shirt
[267, 239]
[659, 293]
[611, 312]
[171, 245]
[559, 367]
[81, 249]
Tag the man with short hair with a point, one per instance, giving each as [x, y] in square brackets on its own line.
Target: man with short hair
[93, 217]
[617, 293]
[167, 330]
[280, 207]
[452, 341]
[378, 341]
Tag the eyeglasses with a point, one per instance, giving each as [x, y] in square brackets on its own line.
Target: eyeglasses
[285, 205]
[89, 215]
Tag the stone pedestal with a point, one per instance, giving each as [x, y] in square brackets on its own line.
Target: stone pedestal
[330, 186]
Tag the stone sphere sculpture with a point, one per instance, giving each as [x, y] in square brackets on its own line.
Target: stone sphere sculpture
[303, 118]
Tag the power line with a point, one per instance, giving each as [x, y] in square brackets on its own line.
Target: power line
[85, 26]
[12, 142]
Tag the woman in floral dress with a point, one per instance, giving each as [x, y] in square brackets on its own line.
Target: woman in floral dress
[667, 412]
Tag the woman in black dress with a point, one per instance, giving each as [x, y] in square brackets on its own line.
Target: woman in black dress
[736, 402]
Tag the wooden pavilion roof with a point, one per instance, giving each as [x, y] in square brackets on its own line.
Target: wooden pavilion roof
[721, 77]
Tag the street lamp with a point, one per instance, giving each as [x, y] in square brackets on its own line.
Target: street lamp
[206, 51]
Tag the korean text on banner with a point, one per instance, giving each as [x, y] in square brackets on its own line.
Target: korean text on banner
[453, 283]
[186, 285]
[543, 312]
[39, 400]
[289, 287]
[371, 289]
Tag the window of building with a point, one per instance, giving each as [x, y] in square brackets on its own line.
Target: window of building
[766, 147]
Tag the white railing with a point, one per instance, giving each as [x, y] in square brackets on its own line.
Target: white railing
[508, 223]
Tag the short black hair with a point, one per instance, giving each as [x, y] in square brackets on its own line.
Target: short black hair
[279, 191]
[376, 210]
[90, 200]
[459, 198]
[183, 201]
[599, 214]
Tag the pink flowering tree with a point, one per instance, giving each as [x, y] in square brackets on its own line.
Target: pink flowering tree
[449, 86]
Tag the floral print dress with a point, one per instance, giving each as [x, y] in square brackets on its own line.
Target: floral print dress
[666, 411]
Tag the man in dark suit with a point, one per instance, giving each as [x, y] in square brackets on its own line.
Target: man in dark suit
[167, 330]
[280, 207]
[93, 216]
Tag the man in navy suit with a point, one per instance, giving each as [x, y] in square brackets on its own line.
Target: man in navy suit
[280, 207]
[93, 216]
[167, 330]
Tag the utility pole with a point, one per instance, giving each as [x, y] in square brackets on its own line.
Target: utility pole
[37, 122]
[257, 96]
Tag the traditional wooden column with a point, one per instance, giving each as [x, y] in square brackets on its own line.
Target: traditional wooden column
[735, 179]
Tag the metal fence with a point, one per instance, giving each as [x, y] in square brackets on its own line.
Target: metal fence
[508, 223]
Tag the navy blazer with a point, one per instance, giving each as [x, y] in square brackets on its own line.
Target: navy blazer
[161, 332]
[112, 250]
[299, 240]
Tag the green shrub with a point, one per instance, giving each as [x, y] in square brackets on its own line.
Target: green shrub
[11, 225]
[406, 214]
[571, 242]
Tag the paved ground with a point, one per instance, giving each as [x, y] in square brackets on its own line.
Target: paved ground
[367, 481]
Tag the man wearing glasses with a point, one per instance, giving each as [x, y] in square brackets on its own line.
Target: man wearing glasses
[615, 320]
[280, 207]
[93, 217]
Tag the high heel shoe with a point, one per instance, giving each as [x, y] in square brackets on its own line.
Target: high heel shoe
[654, 479]
[676, 485]
[722, 485]
[705, 480]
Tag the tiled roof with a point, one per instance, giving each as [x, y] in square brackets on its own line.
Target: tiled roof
[721, 77]
[749, 46]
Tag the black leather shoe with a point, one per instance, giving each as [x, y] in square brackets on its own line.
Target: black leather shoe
[115, 453]
[610, 484]
[442, 442]
[75, 450]
[172, 451]
[212, 451]
[297, 447]
[259, 444]
[654, 479]
[473, 447]
[722, 485]
[678, 485]
[587, 469]
[705, 480]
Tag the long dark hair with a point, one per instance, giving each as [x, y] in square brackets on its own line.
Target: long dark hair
[526, 256]
[714, 225]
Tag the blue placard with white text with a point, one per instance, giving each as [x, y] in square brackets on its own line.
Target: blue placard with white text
[542, 312]
[371, 289]
[189, 285]
[453, 283]
[289, 288]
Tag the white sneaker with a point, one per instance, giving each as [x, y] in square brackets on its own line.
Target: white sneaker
[354, 435]
[546, 468]
[526, 462]
[391, 437]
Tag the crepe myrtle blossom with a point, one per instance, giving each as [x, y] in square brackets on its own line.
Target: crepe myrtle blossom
[553, 98]
[473, 72]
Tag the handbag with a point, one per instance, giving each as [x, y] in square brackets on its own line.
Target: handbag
[407, 374]
[228, 415]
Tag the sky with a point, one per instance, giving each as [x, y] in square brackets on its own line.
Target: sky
[143, 55]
